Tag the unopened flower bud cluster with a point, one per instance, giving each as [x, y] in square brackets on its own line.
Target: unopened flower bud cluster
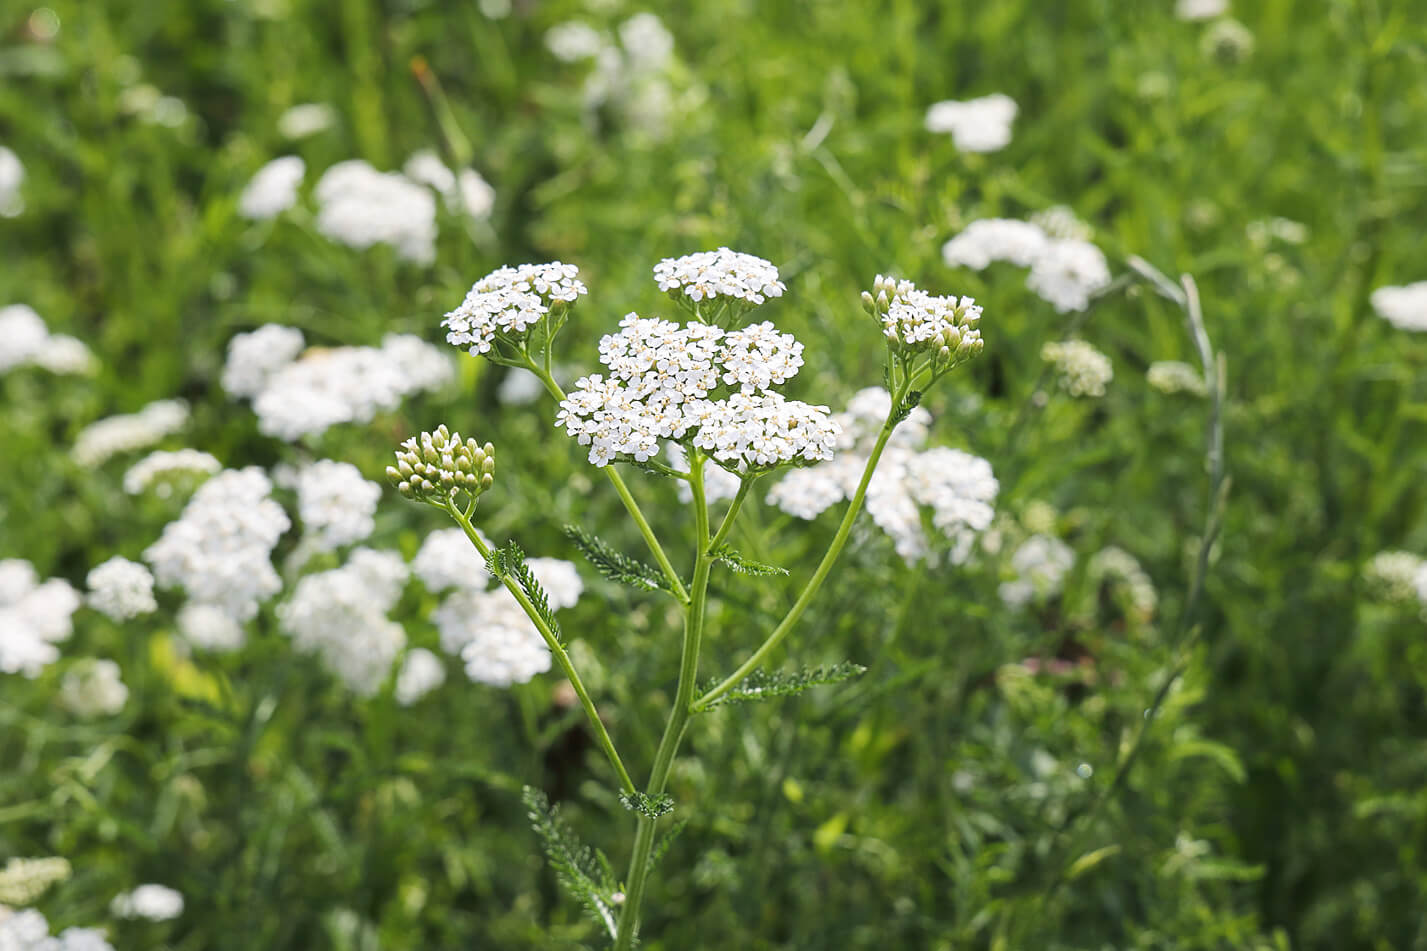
[915, 321]
[1082, 370]
[434, 466]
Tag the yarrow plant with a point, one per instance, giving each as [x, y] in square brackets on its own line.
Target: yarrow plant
[699, 402]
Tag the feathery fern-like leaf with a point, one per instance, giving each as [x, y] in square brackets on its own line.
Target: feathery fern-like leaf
[744, 566]
[761, 685]
[651, 807]
[615, 565]
[584, 871]
[509, 562]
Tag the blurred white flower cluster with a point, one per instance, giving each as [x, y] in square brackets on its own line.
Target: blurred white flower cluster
[421, 672]
[1397, 577]
[1200, 9]
[34, 616]
[93, 687]
[958, 488]
[508, 302]
[121, 589]
[25, 340]
[24, 880]
[109, 437]
[219, 550]
[1126, 577]
[1065, 270]
[341, 616]
[294, 398]
[632, 73]
[485, 627]
[976, 125]
[28, 930]
[359, 206]
[12, 176]
[1081, 370]
[661, 378]
[337, 506]
[1403, 307]
[151, 902]
[1174, 376]
[1038, 569]
[161, 470]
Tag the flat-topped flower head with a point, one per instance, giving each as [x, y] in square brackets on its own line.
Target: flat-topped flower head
[507, 304]
[914, 321]
[723, 276]
[433, 467]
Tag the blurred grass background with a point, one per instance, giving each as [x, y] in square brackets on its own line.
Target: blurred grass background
[1280, 802]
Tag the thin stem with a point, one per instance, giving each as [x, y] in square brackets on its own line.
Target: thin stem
[556, 650]
[676, 584]
[679, 716]
[727, 524]
[810, 591]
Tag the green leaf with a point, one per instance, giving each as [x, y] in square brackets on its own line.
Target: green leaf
[1089, 860]
[744, 566]
[761, 685]
[584, 871]
[651, 807]
[908, 404]
[509, 563]
[1218, 752]
[615, 565]
[662, 848]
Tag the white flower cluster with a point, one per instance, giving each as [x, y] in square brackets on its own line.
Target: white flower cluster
[1065, 270]
[152, 902]
[508, 302]
[661, 375]
[121, 589]
[1397, 577]
[25, 340]
[28, 930]
[12, 176]
[304, 119]
[24, 880]
[464, 192]
[219, 549]
[272, 189]
[708, 275]
[487, 628]
[102, 440]
[1038, 568]
[341, 616]
[1061, 222]
[337, 506]
[976, 125]
[632, 75]
[958, 487]
[93, 688]
[1403, 307]
[360, 206]
[421, 672]
[1174, 376]
[1123, 571]
[255, 356]
[34, 616]
[912, 319]
[1200, 9]
[209, 628]
[163, 468]
[1081, 369]
[344, 384]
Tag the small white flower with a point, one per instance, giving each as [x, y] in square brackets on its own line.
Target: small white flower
[273, 189]
[1403, 307]
[1068, 273]
[12, 175]
[573, 41]
[1039, 567]
[22, 336]
[34, 616]
[976, 125]
[1083, 370]
[1393, 576]
[24, 880]
[209, 627]
[996, 239]
[508, 302]
[447, 559]
[154, 902]
[1173, 376]
[121, 589]
[360, 207]
[646, 40]
[93, 688]
[1200, 9]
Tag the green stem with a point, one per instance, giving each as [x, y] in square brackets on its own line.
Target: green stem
[679, 716]
[676, 584]
[556, 650]
[727, 524]
[810, 591]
